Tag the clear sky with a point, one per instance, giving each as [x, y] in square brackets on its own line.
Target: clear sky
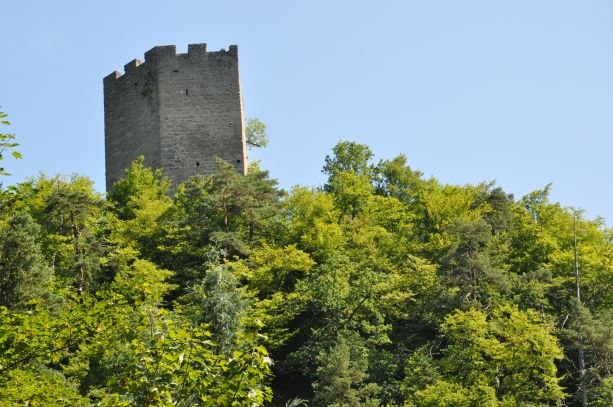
[519, 91]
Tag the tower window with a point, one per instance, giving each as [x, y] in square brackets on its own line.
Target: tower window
[186, 92]
[197, 163]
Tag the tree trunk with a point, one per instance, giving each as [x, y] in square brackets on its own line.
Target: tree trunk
[76, 233]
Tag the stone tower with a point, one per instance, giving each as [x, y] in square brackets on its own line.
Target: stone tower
[176, 110]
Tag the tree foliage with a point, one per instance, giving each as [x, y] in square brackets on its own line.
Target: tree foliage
[7, 143]
[380, 288]
[256, 133]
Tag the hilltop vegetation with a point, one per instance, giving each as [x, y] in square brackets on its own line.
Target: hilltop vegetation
[381, 288]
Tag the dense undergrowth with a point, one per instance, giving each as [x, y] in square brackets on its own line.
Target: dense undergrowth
[380, 288]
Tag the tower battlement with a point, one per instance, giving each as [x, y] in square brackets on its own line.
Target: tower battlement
[167, 52]
[177, 110]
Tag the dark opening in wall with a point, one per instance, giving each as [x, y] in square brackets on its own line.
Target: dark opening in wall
[197, 163]
[186, 92]
[175, 70]
[238, 161]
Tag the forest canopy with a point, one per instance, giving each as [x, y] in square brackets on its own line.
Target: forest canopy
[382, 287]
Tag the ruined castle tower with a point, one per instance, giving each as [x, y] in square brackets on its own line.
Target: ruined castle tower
[176, 110]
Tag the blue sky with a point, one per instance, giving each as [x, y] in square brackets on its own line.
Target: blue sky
[520, 92]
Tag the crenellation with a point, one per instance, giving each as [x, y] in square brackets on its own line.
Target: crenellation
[167, 54]
[131, 66]
[196, 50]
[111, 77]
[233, 50]
[161, 53]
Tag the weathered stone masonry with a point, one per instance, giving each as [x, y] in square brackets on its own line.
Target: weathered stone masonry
[177, 110]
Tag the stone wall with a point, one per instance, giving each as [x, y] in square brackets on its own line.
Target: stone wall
[179, 111]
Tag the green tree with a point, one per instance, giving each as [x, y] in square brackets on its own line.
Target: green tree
[159, 357]
[217, 301]
[139, 200]
[603, 394]
[7, 142]
[165, 362]
[351, 192]
[71, 209]
[467, 264]
[594, 334]
[341, 380]
[348, 156]
[511, 351]
[139, 186]
[397, 179]
[24, 276]
[311, 222]
[33, 344]
[256, 133]
[40, 387]
[449, 394]
[226, 209]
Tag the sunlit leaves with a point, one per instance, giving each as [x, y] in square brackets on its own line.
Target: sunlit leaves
[7, 143]
[256, 134]
[511, 351]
